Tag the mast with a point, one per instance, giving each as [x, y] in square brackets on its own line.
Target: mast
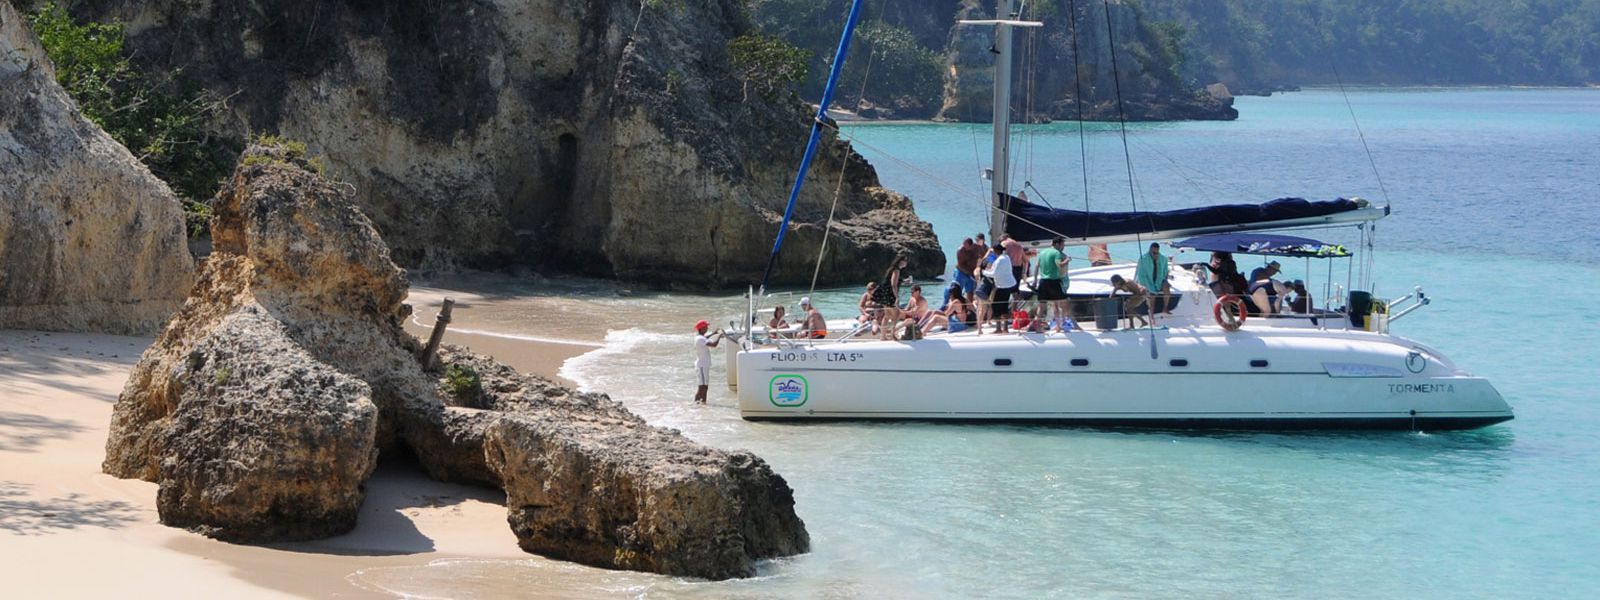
[817, 123]
[1000, 179]
[999, 176]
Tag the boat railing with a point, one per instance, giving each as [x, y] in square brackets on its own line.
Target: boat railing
[1398, 308]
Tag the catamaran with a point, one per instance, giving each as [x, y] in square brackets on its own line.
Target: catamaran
[1209, 364]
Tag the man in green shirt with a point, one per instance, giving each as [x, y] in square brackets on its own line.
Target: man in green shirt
[1152, 274]
[1053, 279]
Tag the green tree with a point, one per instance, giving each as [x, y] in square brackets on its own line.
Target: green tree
[767, 65]
[157, 116]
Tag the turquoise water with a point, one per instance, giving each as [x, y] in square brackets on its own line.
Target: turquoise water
[1493, 193]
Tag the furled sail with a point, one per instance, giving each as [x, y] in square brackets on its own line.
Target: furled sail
[1029, 222]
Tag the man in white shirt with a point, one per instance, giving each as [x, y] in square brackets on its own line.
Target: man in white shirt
[1005, 284]
[702, 358]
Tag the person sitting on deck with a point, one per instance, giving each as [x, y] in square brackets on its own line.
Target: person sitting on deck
[1137, 296]
[1264, 290]
[778, 324]
[955, 317]
[1226, 278]
[1152, 273]
[814, 326]
[869, 309]
[917, 307]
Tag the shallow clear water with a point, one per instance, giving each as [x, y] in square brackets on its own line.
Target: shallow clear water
[1493, 193]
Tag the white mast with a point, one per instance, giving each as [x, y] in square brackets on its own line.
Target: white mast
[998, 178]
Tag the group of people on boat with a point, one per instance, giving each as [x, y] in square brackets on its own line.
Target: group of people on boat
[987, 294]
[1263, 294]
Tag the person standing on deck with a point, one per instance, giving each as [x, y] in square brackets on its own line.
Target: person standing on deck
[1005, 284]
[1053, 280]
[1099, 255]
[967, 258]
[702, 358]
[1152, 274]
[1018, 256]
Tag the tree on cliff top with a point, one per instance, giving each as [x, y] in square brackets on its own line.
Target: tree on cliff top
[155, 116]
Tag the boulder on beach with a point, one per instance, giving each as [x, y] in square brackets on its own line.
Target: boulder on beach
[263, 406]
[89, 239]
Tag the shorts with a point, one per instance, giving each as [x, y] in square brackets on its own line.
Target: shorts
[966, 282]
[702, 375]
[956, 326]
[1051, 289]
[985, 289]
[1000, 307]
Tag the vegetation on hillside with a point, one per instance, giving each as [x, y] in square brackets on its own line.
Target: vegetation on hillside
[904, 51]
[159, 118]
[1253, 44]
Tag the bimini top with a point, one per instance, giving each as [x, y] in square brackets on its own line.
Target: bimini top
[1266, 244]
[1029, 222]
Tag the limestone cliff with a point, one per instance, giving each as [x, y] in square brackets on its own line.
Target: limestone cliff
[89, 239]
[263, 407]
[608, 137]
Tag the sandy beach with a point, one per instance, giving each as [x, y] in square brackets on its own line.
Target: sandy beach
[67, 530]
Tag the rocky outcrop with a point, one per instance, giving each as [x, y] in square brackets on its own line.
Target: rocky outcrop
[89, 239]
[608, 137]
[586, 480]
[261, 409]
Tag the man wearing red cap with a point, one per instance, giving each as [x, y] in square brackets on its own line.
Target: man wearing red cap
[702, 358]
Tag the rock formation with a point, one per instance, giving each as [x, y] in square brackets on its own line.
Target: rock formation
[607, 137]
[263, 406]
[89, 239]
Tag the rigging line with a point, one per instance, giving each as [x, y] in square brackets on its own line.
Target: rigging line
[1077, 96]
[1122, 115]
[872, 52]
[937, 179]
[1036, 190]
[822, 249]
[1032, 63]
[1127, 157]
[1337, 79]
[844, 161]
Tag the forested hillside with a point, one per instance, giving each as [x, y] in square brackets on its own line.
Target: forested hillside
[910, 60]
[1253, 44]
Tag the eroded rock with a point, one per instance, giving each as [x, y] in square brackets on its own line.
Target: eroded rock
[89, 239]
[262, 406]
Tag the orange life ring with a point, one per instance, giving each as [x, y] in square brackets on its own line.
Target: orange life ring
[1226, 318]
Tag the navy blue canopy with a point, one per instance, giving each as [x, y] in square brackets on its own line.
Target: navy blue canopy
[1030, 222]
[1266, 244]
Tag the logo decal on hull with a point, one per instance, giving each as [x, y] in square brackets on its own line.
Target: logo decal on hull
[788, 391]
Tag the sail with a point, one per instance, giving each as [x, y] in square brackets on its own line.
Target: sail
[1029, 222]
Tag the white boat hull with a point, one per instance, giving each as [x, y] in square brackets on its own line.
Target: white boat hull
[1198, 377]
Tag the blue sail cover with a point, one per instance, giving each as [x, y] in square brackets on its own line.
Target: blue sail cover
[1029, 222]
[1265, 244]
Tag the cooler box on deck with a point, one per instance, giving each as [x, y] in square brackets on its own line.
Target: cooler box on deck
[1107, 311]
